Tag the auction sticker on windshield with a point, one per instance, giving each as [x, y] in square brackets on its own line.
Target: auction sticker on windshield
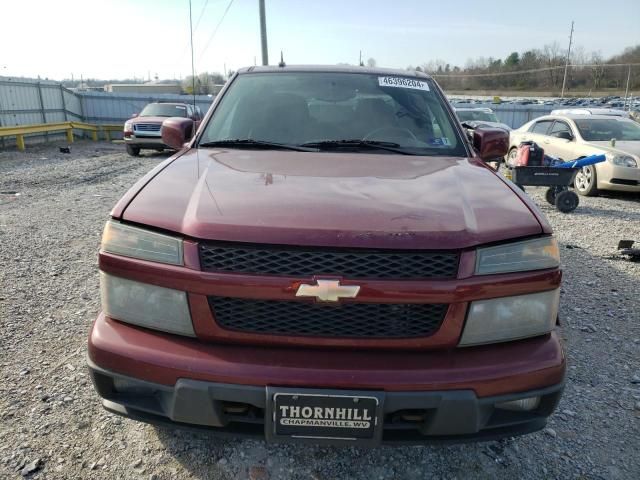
[402, 82]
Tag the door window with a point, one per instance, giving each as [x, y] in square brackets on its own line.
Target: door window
[541, 127]
[560, 127]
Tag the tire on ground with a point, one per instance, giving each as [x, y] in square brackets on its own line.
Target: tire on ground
[133, 151]
[586, 181]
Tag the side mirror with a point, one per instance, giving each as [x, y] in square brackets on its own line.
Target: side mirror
[491, 143]
[134, 115]
[176, 131]
[564, 135]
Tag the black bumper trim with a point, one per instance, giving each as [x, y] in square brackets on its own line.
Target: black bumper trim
[455, 416]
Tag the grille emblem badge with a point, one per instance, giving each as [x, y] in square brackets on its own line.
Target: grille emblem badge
[328, 290]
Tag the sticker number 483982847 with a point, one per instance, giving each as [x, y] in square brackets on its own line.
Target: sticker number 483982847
[403, 82]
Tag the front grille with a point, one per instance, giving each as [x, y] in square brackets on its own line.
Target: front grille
[147, 127]
[348, 320]
[307, 262]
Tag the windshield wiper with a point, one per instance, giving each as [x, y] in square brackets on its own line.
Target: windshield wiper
[250, 143]
[358, 143]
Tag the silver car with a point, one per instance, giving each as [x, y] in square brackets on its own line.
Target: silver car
[576, 136]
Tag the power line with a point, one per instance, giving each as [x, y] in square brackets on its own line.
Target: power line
[494, 74]
[215, 30]
[186, 47]
[204, 7]
[534, 70]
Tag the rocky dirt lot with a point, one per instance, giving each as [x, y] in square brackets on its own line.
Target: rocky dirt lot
[52, 209]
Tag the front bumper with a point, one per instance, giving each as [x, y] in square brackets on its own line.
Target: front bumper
[239, 410]
[145, 142]
[189, 383]
[615, 177]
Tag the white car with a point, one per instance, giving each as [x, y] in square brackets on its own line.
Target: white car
[576, 136]
[609, 112]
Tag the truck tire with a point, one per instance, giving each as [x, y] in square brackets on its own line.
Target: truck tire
[133, 151]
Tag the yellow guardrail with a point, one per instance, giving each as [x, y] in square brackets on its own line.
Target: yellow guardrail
[19, 131]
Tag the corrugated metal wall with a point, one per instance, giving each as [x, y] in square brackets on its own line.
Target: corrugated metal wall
[105, 107]
[26, 102]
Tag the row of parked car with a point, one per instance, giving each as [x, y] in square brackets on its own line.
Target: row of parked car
[613, 101]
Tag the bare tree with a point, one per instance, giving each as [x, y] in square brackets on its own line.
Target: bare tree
[553, 57]
[597, 70]
[541, 68]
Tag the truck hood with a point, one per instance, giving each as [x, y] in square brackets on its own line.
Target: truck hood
[148, 119]
[332, 199]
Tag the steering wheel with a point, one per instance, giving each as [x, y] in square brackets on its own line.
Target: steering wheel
[407, 133]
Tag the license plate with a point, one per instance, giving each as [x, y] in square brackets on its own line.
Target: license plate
[352, 416]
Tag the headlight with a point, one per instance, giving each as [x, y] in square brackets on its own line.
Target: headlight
[128, 126]
[145, 305]
[622, 160]
[139, 243]
[535, 254]
[510, 318]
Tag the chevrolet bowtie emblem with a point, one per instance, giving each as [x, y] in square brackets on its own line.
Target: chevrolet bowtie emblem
[328, 290]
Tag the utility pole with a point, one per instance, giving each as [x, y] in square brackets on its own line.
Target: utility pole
[193, 68]
[263, 34]
[566, 65]
[626, 92]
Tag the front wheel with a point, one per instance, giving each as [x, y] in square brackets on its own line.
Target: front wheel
[133, 151]
[586, 181]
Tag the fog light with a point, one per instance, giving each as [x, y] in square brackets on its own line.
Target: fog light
[522, 405]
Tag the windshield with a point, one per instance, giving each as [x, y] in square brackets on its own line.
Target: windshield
[603, 130]
[163, 110]
[305, 107]
[476, 115]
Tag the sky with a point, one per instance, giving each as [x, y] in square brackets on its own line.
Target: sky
[108, 39]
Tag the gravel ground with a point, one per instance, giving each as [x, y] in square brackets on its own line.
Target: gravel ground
[52, 209]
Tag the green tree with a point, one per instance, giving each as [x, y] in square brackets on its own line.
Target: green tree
[512, 60]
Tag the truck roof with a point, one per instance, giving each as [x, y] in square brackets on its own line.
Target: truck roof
[333, 69]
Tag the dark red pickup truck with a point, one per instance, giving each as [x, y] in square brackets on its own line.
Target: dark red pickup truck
[329, 259]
